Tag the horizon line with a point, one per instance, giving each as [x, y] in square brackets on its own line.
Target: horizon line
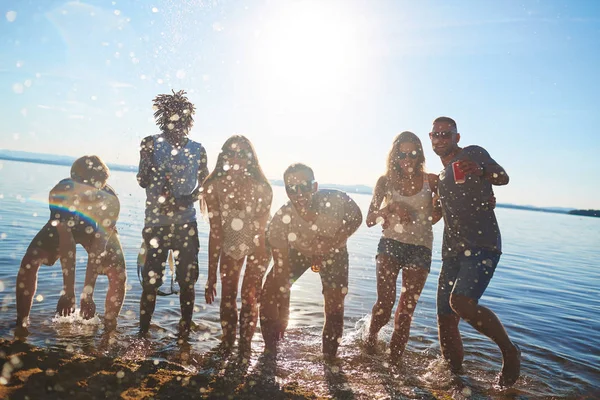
[276, 182]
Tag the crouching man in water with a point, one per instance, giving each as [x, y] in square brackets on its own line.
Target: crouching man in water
[172, 169]
[83, 210]
[311, 230]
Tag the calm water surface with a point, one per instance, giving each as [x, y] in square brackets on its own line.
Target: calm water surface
[545, 290]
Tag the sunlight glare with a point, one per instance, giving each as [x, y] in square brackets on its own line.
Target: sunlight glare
[309, 52]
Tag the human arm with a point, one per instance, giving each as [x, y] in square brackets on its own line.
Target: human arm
[436, 214]
[214, 240]
[282, 286]
[60, 200]
[264, 197]
[106, 210]
[202, 173]
[351, 220]
[479, 163]
[87, 306]
[377, 214]
[146, 167]
[67, 249]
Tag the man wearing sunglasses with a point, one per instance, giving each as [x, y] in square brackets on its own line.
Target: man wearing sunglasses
[471, 247]
[309, 231]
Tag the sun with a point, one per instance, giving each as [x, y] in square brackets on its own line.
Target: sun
[309, 51]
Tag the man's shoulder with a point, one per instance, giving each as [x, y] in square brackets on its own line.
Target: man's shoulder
[474, 149]
[283, 210]
[196, 145]
[64, 185]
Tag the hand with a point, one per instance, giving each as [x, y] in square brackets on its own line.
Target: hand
[66, 305]
[469, 167]
[87, 308]
[383, 217]
[210, 290]
[402, 213]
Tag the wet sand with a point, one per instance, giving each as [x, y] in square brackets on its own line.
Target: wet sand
[30, 372]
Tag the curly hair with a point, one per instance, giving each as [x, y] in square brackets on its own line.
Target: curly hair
[174, 111]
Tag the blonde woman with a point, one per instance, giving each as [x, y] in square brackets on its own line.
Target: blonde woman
[237, 197]
[404, 203]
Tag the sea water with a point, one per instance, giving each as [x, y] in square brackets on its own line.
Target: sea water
[546, 291]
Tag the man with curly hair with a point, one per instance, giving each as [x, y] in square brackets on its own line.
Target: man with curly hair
[172, 169]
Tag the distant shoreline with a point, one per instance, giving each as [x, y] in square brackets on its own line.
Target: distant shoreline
[360, 189]
[65, 162]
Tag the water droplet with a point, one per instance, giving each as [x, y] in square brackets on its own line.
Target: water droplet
[11, 16]
[237, 224]
[17, 88]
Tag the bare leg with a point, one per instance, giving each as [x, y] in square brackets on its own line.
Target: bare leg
[251, 289]
[152, 274]
[269, 312]
[187, 299]
[450, 340]
[147, 305]
[334, 321]
[117, 279]
[230, 276]
[26, 287]
[413, 280]
[387, 275]
[486, 322]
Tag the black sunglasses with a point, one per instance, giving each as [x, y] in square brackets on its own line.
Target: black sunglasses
[441, 135]
[412, 154]
[299, 188]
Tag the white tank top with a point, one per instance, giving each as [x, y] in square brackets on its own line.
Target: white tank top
[420, 206]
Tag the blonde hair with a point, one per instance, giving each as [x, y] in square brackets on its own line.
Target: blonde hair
[253, 168]
[404, 137]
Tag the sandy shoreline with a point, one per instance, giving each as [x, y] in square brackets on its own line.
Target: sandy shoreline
[33, 372]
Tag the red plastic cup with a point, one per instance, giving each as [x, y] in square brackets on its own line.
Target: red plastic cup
[459, 175]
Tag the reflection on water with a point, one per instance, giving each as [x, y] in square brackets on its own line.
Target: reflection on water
[545, 291]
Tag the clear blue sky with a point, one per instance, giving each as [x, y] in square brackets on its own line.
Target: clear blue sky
[329, 83]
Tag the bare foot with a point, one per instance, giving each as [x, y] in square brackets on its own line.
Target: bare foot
[395, 359]
[511, 368]
[21, 332]
[370, 345]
